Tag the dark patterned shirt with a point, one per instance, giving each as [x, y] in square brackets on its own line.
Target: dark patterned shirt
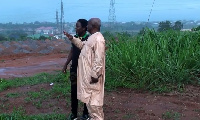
[76, 53]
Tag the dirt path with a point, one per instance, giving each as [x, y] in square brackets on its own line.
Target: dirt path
[123, 104]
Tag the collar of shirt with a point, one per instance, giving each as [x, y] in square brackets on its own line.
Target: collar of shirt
[84, 36]
[95, 33]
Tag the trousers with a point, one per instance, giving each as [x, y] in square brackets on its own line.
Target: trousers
[74, 100]
[95, 112]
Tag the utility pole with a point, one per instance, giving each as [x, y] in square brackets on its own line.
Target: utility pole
[61, 19]
[57, 21]
[112, 17]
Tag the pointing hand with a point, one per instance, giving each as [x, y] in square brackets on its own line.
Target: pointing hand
[70, 37]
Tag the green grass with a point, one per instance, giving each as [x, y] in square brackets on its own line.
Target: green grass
[2, 61]
[37, 79]
[159, 62]
[171, 115]
[61, 88]
[12, 95]
[21, 116]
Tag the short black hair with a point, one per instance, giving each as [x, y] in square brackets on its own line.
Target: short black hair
[83, 22]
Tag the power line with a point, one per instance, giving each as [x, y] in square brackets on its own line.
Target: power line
[148, 18]
[151, 11]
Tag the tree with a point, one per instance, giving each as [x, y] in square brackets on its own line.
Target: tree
[164, 26]
[178, 26]
[17, 35]
[196, 29]
[43, 37]
[3, 38]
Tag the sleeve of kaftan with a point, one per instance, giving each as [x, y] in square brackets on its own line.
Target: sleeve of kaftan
[77, 42]
[99, 54]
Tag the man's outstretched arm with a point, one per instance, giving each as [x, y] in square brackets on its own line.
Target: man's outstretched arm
[76, 41]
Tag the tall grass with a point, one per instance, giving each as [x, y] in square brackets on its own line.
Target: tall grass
[153, 61]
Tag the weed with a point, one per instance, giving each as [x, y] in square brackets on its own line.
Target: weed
[50, 105]
[171, 115]
[117, 111]
[38, 104]
[2, 61]
[130, 116]
[4, 106]
[27, 99]
[13, 95]
[34, 95]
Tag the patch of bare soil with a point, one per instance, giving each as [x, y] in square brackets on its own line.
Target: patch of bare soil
[121, 104]
[136, 105]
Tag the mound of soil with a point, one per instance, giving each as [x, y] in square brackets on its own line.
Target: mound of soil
[34, 46]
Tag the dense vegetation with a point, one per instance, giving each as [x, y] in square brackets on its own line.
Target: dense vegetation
[155, 61]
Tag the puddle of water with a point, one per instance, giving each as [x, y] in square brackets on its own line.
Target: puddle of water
[4, 70]
[1, 70]
[10, 71]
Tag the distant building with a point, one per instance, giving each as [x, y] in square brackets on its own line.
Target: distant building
[45, 30]
[186, 29]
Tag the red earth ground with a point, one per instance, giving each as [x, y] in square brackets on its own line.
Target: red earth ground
[121, 104]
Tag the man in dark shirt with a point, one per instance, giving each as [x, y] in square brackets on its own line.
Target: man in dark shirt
[81, 28]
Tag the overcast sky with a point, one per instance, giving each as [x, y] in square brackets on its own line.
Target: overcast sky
[19, 11]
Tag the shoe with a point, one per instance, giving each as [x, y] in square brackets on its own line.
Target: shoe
[73, 117]
[85, 117]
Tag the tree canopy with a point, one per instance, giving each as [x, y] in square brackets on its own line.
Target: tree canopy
[167, 25]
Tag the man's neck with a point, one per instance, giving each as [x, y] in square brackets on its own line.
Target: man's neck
[82, 34]
[94, 31]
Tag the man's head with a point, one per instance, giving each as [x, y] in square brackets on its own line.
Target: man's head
[94, 25]
[81, 26]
